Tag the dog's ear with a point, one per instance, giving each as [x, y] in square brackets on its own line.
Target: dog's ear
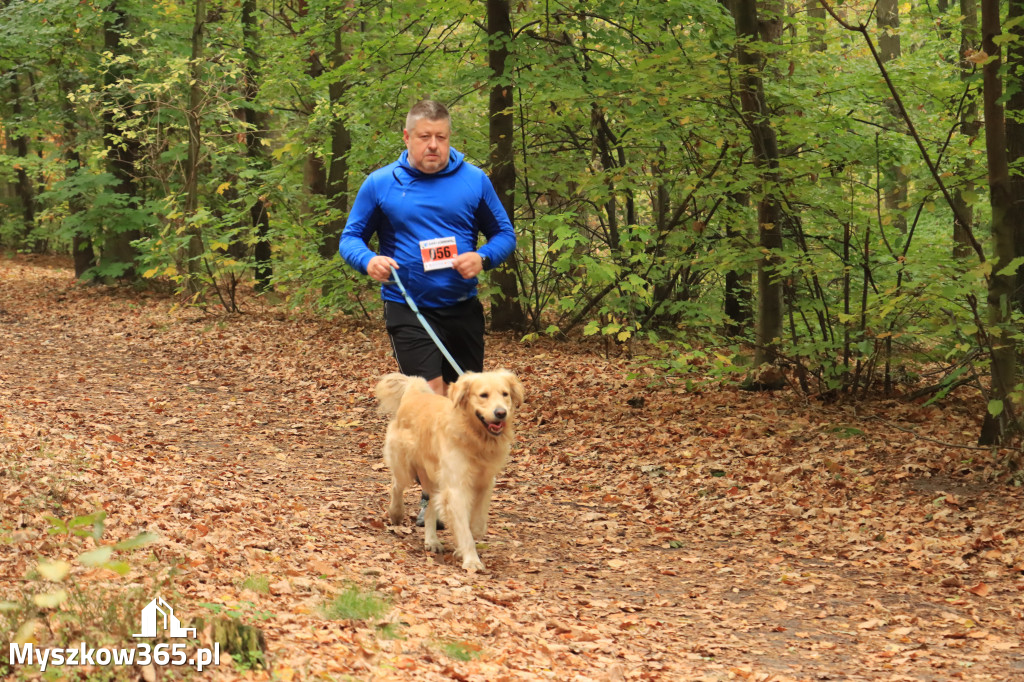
[515, 387]
[460, 390]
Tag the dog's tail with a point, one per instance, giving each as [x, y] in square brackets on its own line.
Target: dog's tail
[392, 387]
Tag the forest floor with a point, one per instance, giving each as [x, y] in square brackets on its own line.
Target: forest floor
[637, 533]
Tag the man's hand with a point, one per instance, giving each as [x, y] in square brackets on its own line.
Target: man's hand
[379, 268]
[469, 265]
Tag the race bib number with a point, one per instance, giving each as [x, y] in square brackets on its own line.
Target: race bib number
[438, 253]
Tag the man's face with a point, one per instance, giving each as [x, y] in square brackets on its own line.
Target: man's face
[427, 143]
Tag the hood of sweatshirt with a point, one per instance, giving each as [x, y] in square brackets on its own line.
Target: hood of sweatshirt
[406, 170]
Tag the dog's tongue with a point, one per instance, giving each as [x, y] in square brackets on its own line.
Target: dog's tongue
[496, 428]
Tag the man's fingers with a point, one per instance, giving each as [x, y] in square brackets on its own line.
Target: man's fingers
[468, 264]
[379, 268]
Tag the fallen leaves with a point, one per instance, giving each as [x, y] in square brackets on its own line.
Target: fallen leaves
[981, 589]
[720, 533]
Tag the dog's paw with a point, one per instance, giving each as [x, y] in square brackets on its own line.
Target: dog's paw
[472, 564]
[396, 513]
[434, 546]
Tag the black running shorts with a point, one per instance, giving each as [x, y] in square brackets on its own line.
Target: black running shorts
[459, 327]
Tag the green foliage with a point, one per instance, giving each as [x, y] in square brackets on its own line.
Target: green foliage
[460, 651]
[356, 604]
[391, 631]
[243, 609]
[257, 583]
[636, 183]
[57, 607]
[245, 643]
[702, 365]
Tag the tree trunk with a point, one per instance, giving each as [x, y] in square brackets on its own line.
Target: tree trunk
[341, 145]
[970, 126]
[816, 26]
[314, 173]
[81, 244]
[255, 151]
[194, 249]
[124, 152]
[506, 311]
[894, 179]
[23, 189]
[1000, 286]
[737, 283]
[943, 7]
[1015, 141]
[770, 215]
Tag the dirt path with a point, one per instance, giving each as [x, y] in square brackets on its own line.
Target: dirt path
[714, 535]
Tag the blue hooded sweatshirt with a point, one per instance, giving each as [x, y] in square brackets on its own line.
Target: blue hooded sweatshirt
[404, 207]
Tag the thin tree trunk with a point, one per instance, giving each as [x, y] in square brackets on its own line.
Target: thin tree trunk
[506, 311]
[889, 48]
[123, 152]
[314, 173]
[194, 249]
[816, 26]
[1000, 286]
[341, 145]
[943, 7]
[81, 244]
[1015, 142]
[770, 214]
[970, 126]
[255, 151]
[738, 284]
[23, 188]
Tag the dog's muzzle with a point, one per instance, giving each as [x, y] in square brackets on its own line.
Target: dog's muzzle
[496, 427]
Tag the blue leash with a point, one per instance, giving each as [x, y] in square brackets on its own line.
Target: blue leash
[426, 325]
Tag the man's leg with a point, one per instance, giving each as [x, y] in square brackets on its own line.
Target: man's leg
[438, 385]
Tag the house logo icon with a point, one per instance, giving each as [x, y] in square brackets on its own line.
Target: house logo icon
[159, 611]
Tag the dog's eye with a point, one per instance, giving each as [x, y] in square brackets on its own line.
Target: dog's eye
[504, 394]
[484, 395]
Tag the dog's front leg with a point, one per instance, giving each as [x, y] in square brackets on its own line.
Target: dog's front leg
[396, 509]
[459, 508]
[478, 518]
[430, 539]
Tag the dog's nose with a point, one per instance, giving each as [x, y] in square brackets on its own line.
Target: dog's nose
[500, 413]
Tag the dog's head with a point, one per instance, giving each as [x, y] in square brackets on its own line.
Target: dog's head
[491, 397]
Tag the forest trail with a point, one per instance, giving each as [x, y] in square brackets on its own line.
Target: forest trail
[709, 535]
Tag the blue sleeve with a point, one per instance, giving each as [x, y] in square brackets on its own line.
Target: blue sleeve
[361, 224]
[494, 223]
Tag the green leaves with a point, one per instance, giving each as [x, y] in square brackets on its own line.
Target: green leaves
[995, 407]
[54, 571]
[89, 525]
[103, 556]
[140, 540]
[637, 191]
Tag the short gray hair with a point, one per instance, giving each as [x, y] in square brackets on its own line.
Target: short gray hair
[429, 109]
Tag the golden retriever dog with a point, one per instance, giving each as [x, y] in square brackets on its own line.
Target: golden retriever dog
[453, 446]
